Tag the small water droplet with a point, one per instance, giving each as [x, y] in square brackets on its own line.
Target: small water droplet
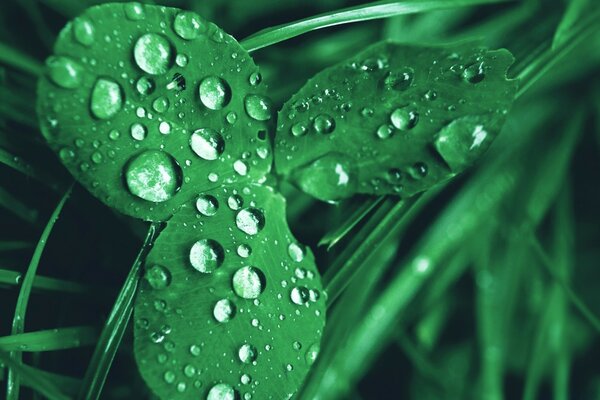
[250, 220]
[153, 176]
[312, 353]
[299, 129]
[207, 205]
[300, 295]
[134, 11]
[296, 252]
[206, 255]
[244, 251]
[215, 92]
[65, 72]
[404, 119]
[255, 78]
[247, 353]
[164, 127]
[106, 99]
[328, 178]
[145, 85]
[249, 282]
[158, 276]
[114, 134]
[83, 31]
[222, 391]
[240, 167]
[324, 124]
[474, 73]
[245, 379]
[207, 143]
[138, 131]
[66, 154]
[153, 54]
[418, 170]
[188, 25]
[160, 104]
[224, 310]
[385, 131]
[169, 377]
[258, 107]
[195, 350]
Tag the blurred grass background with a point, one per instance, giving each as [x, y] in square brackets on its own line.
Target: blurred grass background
[488, 288]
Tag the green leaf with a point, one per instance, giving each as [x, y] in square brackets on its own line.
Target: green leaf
[147, 106]
[231, 303]
[394, 119]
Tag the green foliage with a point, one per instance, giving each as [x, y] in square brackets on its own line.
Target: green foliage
[394, 119]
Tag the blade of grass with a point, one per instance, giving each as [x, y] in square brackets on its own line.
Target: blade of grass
[573, 13]
[50, 340]
[334, 236]
[14, 246]
[19, 61]
[9, 277]
[20, 165]
[17, 207]
[38, 382]
[18, 323]
[67, 384]
[366, 12]
[116, 323]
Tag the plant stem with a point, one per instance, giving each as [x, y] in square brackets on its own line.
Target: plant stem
[370, 11]
[18, 60]
[18, 324]
[116, 323]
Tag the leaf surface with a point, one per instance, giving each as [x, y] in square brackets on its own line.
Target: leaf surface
[147, 106]
[394, 119]
[231, 304]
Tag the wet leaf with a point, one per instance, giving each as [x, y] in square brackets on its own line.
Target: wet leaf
[231, 304]
[148, 105]
[394, 119]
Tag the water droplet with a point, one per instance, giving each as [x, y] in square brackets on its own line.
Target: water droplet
[461, 142]
[399, 80]
[250, 220]
[188, 25]
[249, 282]
[245, 379]
[164, 128]
[474, 73]
[418, 170]
[300, 295]
[222, 391]
[231, 117]
[312, 353]
[207, 205]
[299, 129]
[195, 350]
[160, 104]
[66, 154]
[169, 377]
[328, 178]
[244, 251]
[114, 134]
[65, 72]
[107, 98]
[255, 78]
[83, 31]
[152, 53]
[158, 276]
[206, 255]
[215, 92]
[134, 11]
[240, 167]
[258, 107]
[296, 252]
[403, 119]
[189, 371]
[235, 202]
[430, 95]
[153, 176]
[247, 353]
[207, 143]
[145, 85]
[324, 124]
[138, 131]
[181, 60]
[224, 310]
[385, 131]
[213, 177]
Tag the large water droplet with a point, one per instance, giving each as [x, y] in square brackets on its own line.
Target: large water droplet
[296, 252]
[300, 295]
[222, 391]
[324, 124]
[328, 178]
[153, 176]
[250, 220]
[249, 282]
[224, 310]
[188, 25]
[461, 142]
[215, 92]
[107, 98]
[399, 80]
[138, 131]
[65, 72]
[258, 107]
[83, 31]
[206, 255]
[153, 54]
[207, 205]
[247, 353]
[474, 73]
[158, 276]
[207, 143]
[404, 119]
[134, 11]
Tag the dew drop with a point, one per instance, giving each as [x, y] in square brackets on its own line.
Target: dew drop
[188, 25]
[224, 310]
[134, 11]
[258, 107]
[66, 154]
[235, 202]
[215, 92]
[207, 205]
[145, 86]
[195, 350]
[222, 391]
[249, 282]
[83, 31]
[107, 98]
[65, 72]
[299, 129]
[474, 73]
[250, 220]
[461, 142]
[206, 255]
[245, 379]
[324, 124]
[164, 128]
[328, 178]
[247, 353]
[418, 170]
[207, 143]
[312, 353]
[385, 131]
[244, 251]
[296, 252]
[158, 276]
[169, 377]
[153, 54]
[403, 119]
[153, 176]
[138, 131]
[240, 167]
[160, 104]
[300, 295]
[399, 80]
